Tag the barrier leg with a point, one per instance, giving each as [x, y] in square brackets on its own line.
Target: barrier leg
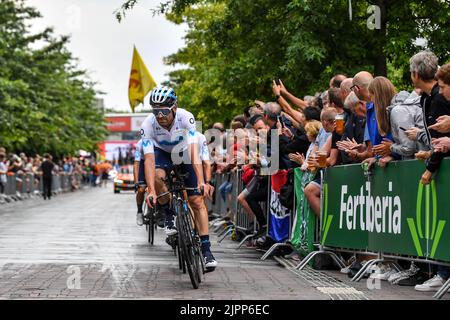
[273, 248]
[336, 259]
[307, 259]
[229, 232]
[396, 266]
[224, 231]
[358, 276]
[249, 236]
[442, 290]
[211, 223]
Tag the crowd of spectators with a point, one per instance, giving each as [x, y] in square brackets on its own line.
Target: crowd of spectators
[358, 119]
[28, 171]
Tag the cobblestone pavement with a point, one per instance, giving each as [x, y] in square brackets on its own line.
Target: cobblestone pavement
[86, 245]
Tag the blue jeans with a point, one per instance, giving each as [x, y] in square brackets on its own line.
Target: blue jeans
[93, 179]
[443, 271]
[224, 189]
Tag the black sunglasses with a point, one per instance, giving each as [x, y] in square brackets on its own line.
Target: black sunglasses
[164, 111]
[353, 87]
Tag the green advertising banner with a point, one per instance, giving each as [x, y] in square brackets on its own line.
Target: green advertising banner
[303, 227]
[388, 210]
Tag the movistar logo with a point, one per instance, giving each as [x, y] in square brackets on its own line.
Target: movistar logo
[426, 227]
[146, 143]
[171, 143]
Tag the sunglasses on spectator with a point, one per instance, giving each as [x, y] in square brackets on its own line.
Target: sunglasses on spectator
[164, 111]
[352, 88]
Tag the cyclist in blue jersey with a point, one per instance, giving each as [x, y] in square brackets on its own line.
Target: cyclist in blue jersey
[139, 182]
[169, 136]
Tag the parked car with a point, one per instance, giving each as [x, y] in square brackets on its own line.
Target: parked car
[124, 179]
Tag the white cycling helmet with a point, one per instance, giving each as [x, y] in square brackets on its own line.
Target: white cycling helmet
[163, 96]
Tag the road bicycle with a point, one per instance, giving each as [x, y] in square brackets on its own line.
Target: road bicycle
[186, 243]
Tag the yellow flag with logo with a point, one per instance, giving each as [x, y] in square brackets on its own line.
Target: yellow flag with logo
[141, 81]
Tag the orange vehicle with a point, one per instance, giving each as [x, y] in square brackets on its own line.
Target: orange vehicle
[124, 180]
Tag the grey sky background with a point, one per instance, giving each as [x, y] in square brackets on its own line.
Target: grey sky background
[104, 46]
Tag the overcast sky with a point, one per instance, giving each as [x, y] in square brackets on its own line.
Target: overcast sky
[104, 46]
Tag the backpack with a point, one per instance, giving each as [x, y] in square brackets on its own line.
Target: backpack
[287, 192]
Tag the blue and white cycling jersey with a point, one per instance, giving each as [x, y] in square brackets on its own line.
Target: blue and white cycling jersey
[204, 151]
[138, 154]
[181, 134]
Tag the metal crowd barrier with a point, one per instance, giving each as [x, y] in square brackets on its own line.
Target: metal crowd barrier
[317, 239]
[378, 256]
[219, 205]
[26, 185]
[279, 244]
[227, 206]
[240, 222]
[243, 221]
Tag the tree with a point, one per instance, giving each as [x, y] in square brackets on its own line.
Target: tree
[234, 48]
[46, 103]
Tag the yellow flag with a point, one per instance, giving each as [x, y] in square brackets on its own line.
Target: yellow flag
[141, 81]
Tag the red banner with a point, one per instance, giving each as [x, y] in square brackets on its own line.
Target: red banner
[119, 124]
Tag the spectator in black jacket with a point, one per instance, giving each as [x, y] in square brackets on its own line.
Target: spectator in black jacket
[298, 140]
[47, 167]
[424, 66]
[443, 122]
[424, 69]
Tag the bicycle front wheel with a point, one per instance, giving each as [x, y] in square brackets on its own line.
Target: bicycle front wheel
[151, 225]
[187, 244]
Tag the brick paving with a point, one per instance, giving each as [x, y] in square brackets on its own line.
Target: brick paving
[86, 245]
